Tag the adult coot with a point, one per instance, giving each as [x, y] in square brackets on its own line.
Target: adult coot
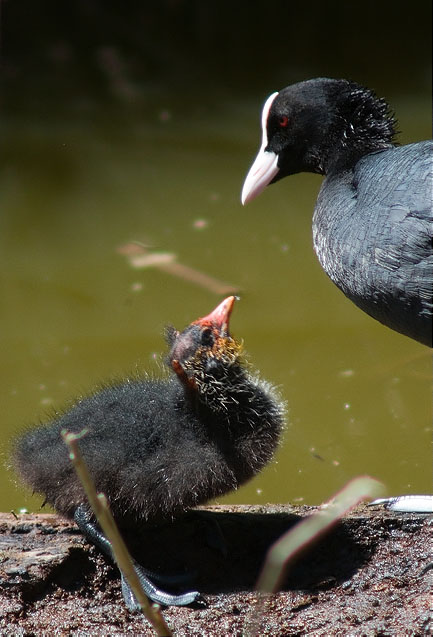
[158, 447]
[372, 225]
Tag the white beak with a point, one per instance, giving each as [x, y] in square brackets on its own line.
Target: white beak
[265, 166]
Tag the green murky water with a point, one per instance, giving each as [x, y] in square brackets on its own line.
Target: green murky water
[74, 313]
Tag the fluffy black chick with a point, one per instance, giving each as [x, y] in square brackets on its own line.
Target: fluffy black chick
[156, 448]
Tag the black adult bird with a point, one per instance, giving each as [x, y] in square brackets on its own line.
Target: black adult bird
[159, 447]
[372, 225]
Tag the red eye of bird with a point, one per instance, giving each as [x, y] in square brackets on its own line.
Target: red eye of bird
[284, 120]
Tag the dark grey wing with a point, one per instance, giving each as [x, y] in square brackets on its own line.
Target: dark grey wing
[372, 232]
[398, 211]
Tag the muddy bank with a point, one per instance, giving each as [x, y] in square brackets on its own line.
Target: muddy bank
[372, 575]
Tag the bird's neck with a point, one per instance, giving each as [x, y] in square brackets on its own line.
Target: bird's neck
[219, 392]
[232, 398]
[362, 124]
[243, 417]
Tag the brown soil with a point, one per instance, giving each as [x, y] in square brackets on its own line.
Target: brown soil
[372, 575]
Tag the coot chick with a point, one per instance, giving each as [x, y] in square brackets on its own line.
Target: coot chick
[156, 448]
[372, 224]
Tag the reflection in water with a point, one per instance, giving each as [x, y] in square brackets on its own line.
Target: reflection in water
[140, 257]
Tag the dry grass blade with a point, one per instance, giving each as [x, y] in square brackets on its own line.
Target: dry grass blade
[287, 548]
[99, 505]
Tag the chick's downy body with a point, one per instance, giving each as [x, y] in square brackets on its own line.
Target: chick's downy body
[159, 447]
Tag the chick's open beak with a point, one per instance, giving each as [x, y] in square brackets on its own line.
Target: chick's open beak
[219, 318]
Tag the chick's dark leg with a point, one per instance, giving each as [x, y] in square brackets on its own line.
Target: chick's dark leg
[93, 534]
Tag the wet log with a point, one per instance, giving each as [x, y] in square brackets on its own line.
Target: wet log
[373, 574]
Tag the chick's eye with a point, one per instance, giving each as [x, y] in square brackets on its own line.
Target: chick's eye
[283, 122]
[207, 338]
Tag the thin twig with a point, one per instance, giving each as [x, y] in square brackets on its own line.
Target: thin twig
[99, 505]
